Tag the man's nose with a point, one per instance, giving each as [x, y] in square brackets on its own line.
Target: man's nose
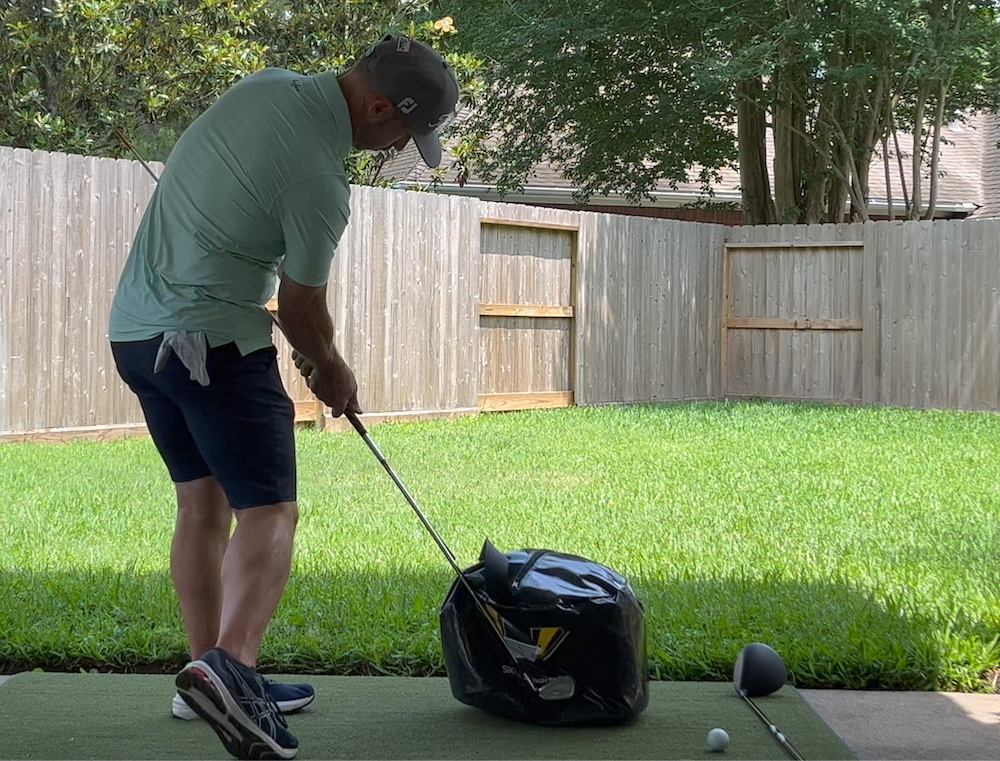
[401, 143]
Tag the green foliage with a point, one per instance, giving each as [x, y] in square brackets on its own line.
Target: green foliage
[603, 90]
[620, 95]
[862, 543]
[72, 69]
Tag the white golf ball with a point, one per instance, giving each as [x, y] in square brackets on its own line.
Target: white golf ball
[718, 739]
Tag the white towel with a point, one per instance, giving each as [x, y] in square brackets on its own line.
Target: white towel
[191, 349]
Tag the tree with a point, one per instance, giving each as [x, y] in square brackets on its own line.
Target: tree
[601, 89]
[73, 69]
[844, 76]
[621, 95]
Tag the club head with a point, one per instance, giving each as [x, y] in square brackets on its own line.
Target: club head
[557, 688]
[759, 671]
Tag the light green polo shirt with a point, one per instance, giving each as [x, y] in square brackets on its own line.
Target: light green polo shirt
[256, 182]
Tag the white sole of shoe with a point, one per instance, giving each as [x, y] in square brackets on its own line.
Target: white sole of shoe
[201, 688]
[180, 710]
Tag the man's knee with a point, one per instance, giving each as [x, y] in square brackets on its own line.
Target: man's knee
[280, 516]
[203, 501]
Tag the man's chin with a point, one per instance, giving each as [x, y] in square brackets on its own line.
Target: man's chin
[370, 147]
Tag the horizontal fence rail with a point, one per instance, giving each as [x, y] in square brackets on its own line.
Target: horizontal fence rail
[641, 310]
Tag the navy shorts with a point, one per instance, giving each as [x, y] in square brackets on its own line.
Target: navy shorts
[240, 428]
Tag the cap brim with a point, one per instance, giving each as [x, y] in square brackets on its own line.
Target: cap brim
[430, 148]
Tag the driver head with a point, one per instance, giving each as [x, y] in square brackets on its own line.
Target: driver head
[759, 671]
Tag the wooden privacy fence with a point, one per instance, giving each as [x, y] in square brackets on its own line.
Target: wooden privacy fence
[445, 306]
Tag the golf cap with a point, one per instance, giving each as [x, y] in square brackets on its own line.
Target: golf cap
[420, 84]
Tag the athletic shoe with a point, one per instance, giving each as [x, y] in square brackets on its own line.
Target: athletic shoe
[232, 698]
[288, 697]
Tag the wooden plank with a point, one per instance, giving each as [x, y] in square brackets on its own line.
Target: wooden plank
[871, 311]
[310, 411]
[8, 216]
[535, 400]
[779, 323]
[574, 255]
[751, 246]
[727, 265]
[341, 424]
[69, 434]
[586, 372]
[524, 310]
[538, 224]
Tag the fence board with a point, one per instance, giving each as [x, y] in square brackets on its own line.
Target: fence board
[7, 206]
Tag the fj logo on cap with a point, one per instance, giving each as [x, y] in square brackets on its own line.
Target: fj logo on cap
[406, 105]
[403, 45]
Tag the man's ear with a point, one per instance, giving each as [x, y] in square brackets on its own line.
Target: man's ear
[381, 108]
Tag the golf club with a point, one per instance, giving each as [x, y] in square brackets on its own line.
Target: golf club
[760, 671]
[125, 141]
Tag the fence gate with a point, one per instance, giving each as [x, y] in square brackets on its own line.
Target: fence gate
[792, 320]
[526, 322]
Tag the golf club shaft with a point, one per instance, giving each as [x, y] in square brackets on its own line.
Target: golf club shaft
[449, 555]
[360, 428]
[125, 141]
[779, 736]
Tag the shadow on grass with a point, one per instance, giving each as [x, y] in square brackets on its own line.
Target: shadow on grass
[385, 621]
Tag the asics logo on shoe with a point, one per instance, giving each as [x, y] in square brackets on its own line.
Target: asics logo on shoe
[260, 710]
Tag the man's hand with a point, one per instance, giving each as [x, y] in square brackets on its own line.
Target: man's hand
[334, 385]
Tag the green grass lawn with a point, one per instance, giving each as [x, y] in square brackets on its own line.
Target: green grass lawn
[862, 544]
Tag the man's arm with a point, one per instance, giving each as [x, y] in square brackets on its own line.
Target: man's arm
[306, 322]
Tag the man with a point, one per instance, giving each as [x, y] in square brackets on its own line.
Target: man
[254, 186]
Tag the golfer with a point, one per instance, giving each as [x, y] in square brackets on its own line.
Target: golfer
[254, 196]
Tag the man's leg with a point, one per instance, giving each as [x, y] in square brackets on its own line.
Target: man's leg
[254, 574]
[241, 429]
[201, 536]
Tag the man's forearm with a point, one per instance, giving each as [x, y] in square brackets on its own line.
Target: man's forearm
[310, 332]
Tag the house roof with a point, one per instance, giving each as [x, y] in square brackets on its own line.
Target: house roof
[990, 184]
[969, 181]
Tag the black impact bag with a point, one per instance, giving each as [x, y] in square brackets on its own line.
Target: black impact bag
[561, 615]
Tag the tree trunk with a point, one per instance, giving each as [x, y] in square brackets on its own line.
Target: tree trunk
[899, 160]
[818, 183]
[887, 121]
[936, 152]
[838, 193]
[758, 206]
[918, 132]
[789, 126]
[870, 128]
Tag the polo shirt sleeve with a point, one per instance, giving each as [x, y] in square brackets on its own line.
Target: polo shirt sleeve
[312, 214]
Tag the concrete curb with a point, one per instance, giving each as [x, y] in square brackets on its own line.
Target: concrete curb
[884, 726]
